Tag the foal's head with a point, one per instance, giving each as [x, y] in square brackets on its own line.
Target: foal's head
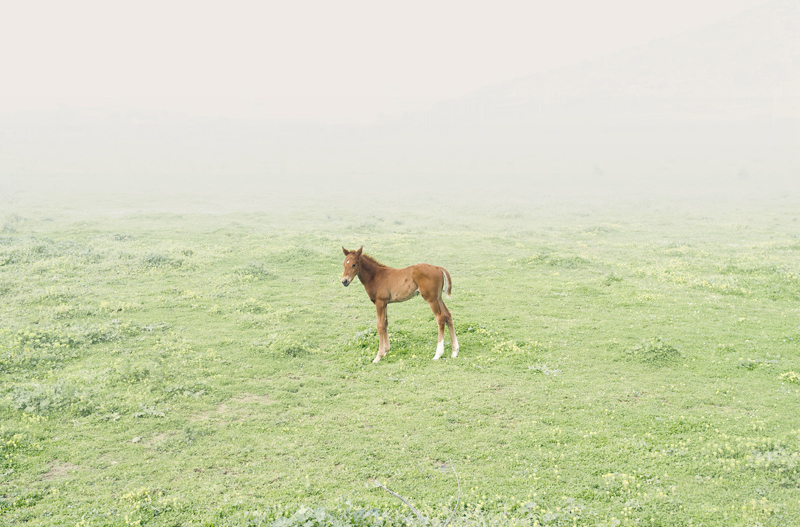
[352, 265]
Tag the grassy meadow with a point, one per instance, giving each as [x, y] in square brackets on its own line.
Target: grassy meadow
[197, 362]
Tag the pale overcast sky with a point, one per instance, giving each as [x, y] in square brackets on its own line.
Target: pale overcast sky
[328, 60]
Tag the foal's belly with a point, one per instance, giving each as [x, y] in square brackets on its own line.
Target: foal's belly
[402, 297]
[403, 290]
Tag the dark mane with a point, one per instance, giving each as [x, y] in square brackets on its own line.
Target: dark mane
[373, 260]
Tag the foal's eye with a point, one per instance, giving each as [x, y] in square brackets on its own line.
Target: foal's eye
[354, 265]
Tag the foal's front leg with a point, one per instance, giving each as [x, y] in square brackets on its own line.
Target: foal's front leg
[383, 333]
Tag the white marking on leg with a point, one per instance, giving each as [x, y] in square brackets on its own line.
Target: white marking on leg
[455, 348]
[439, 350]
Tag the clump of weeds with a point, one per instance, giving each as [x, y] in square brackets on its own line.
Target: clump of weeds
[654, 351]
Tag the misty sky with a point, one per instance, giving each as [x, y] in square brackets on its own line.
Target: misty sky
[330, 60]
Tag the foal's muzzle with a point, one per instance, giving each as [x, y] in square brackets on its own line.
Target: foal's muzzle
[346, 282]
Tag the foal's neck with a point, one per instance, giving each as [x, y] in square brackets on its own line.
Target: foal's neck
[368, 269]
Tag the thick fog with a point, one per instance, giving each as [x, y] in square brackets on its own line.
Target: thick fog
[349, 96]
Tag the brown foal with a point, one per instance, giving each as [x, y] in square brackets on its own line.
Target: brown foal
[385, 285]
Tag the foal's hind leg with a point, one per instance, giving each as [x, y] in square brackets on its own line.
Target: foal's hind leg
[431, 291]
[453, 339]
[441, 318]
[448, 319]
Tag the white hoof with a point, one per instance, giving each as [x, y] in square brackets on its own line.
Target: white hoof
[439, 351]
[455, 354]
[376, 360]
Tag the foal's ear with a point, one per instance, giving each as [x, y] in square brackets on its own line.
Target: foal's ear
[345, 251]
[358, 252]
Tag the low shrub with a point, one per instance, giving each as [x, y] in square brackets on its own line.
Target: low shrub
[654, 351]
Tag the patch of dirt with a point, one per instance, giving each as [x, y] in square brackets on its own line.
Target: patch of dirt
[229, 407]
[159, 439]
[202, 416]
[59, 470]
[249, 398]
[225, 408]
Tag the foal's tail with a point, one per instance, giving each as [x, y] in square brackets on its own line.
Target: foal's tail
[448, 282]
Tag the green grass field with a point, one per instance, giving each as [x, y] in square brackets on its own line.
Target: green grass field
[629, 362]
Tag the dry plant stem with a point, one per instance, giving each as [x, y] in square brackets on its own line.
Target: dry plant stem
[458, 499]
[422, 518]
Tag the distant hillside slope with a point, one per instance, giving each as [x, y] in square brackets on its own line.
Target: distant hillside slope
[725, 94]
[755, 54]
[730, 89]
